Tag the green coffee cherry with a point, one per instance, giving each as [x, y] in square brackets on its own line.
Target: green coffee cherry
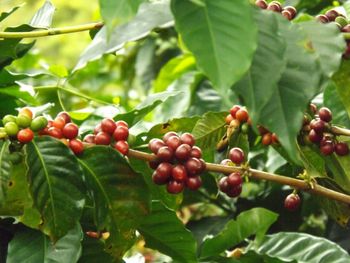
[23, 121]
[245, 128]
[3, 133]
[11, 128]
[38, 123]
[8, 118]
[341, 21]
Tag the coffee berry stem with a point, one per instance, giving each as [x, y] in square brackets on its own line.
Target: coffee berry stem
[260, 175]
[340, 131]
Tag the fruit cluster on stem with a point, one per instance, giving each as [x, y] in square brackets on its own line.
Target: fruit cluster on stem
[289, 12]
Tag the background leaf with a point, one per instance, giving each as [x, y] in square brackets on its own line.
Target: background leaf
[5, 169]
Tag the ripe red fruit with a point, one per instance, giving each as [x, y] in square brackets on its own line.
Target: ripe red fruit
[228, 119]
[261, 3]
[223, 185]
[102, 138]
[262, 130]
[179, 173]
[159, 179]
[325, 114]
[274, 138]
[173, 142]
[331, 15]
[70, 131]
[155, 144]
[193, 166]
[183, 152]
[341, 149]
[274, 6]
[203, 165]
[196, 152]
[165, 154]
[121, 123]
[327, 148]
[25, 135]
[236, 155]
[44, 131]
[153, 164]
[322, 18]
[315, 137]
[76, 146]
[287, 14]
[194, 183]
[234, 110]
[65, 116]
[234, 191]
[292, 10]
[59, 123]
[122, 147]
[55, 132]
[90, 138]
[242, 115]
[266, 139]
[108, 126]
[187, 138]
[164, 170]
[234, 179]
[97, 128]
[168, 135]
[174, 187]
[318, 126]
[313, 108]
[292, 202]
[121, 133]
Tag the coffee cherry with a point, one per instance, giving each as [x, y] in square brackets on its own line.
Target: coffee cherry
[168, 135]
[266, 139]
[331, 15]
[153, 164]
[165, 154]
[346, 28]
[11, 128]
[291, 10]
[97, 128]
[25, 135]
[234, 179]
[242, 115]
[183, 152]
[108, 126]
[234, 110]
[223, 185]
[245, 128]
[228, 119]
[175, 187]
[203, 165]
[325, 114]
[261, 3]
[8, 118]
[274, 138]
[196, 152]
[27, 112]
[3, 133]
[121, 123]
[164, 170]
[341, 149]
[193, 166]
[44, 131]
[236, 155]
[313, 108]
[227, 162]
[234, 191]
[159, 179]
[89, 138]
[287, 15]
[179, 173]
[292, 202]
[38, 123]
[318, 126]
[155, 144]
[315, 137]
[121, 133]
[70, 130]
[262, 130]
[194, 183]
[327, 148]
[322, 18]
[23, 121]
[275, 7]
[102, 138]
[65, 116]
[173, 142]
[55, 132]
[122, 147]
[187, 138]
[76, 146]
[58, 123]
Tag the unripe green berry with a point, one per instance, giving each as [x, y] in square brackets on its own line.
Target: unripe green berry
[23, 121]
[38, 123]
[8, 118]
[341, 21]
[11, 128]
[245, 128]
[3, 133]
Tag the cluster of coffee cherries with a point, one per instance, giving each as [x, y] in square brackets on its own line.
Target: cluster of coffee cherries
[237, 117]
[318, 131]
[178, 162]
[292, 202]
[267, 137]
[110, 132]
[288, 12]
[231, 184]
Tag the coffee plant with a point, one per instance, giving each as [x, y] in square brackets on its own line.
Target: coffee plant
[187, 131]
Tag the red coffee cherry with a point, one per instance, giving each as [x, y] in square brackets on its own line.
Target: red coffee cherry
[274, 138]
[234, 179]
[262, 130]
[108, 126]
[325, 114]
[193, 166]
[90, 138]
[196, 152]
[242, 115]
[25, 135]
[327, 148]
[65, 116]
[122, 147]
[97, 128]
[155, 144]
[76, 146]
[187, 138]
[203, 165]
[223, 185]
[261, 3]
[236, 155]
[315, 137]
[58, 123]
[153, 164]
[165, 154]
[70, 131]
[322, 18]
[234, 191]
[183, 152]
[164, 170]
[168, 135]
[179, 173]
[121, 133]
[159, 179]
[318, 126]
[287, 15]
[292, 10]
[175, 187]
[102, 138]
[331, 15]
[275, 7]
[228, 119]
[173, 142]
[194, 183]
[292, 202]
[121, 123]
[266, 139]
[234, 110]
[341, 149]
[55, 132]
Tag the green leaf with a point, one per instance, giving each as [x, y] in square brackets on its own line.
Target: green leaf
[209, 130]
[301, 247]
[43, 17]
[342, 81]
[5, 169]
[260, 83]
[7, 78]
[346, 6]
[255, 221]
[149, 16]
[32, 246]
[120, 195]
[229, 33]
[4, 15]
[164, 232]
[94, 251]
[17, 92]
[56, 184]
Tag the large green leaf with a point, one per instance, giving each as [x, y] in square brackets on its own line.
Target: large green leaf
[342, 81]
[301, 247]
[32, 246]
[260, 83]
[149, 16]
[252, 222]
[210, 129]
[163, 231]
[298, 85]
[56, 184]
[8, 78]
[120, 195]
[94, 251]
[5, 169]
[221, 35]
